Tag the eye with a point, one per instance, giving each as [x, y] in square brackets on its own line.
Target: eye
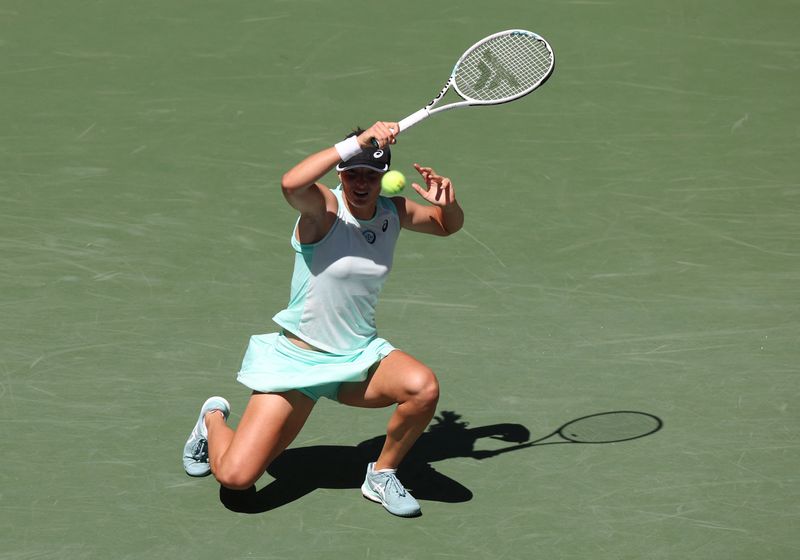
[364, 174]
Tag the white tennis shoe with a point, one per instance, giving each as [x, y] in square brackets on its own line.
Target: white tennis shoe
[384, 488]
[195, 452]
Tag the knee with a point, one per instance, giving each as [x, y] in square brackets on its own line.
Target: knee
[235, 478]
[423, 388]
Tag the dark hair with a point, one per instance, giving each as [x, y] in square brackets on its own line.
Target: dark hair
[357, 131]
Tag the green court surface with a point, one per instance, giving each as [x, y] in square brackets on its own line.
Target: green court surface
[632, 243]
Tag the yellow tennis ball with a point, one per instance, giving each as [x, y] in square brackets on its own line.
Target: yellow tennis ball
[392, 182]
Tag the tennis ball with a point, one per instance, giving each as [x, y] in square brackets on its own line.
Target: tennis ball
[392, 182]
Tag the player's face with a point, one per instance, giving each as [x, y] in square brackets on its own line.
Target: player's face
[361, 186]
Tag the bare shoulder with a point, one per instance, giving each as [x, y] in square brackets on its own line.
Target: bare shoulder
[400, 204]
[331, 203]
[317, 219]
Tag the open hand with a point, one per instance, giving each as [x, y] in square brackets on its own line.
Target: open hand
[438, 190]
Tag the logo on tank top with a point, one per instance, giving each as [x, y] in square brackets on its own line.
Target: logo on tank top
[385, 225]
[369, 235]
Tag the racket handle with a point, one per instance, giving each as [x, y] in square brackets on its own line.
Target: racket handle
[408, 122]
[414, 118]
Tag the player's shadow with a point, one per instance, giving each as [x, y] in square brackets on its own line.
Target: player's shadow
[302, 470]
[299, 471]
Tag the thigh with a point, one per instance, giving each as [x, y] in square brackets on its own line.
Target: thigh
[269, 424]
[397, 377]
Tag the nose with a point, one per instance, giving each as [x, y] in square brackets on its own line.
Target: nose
[362, 178]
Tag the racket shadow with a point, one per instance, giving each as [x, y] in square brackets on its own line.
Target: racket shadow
[601, 428]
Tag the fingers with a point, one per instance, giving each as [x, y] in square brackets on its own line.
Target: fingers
[431, 177]
[428, 175]
[424, 171]
[382, 132]
[444, 192]
[438, 190]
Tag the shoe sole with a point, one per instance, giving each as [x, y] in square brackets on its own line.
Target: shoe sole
[372, 497]
[197, 475]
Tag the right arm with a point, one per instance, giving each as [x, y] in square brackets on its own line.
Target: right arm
[316, 204]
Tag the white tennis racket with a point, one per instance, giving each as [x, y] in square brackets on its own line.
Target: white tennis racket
[497, 69]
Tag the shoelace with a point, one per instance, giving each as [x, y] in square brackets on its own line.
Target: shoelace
[393, 483]
[200, 451]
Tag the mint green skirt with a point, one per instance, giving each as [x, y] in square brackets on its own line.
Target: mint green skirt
[273, 364]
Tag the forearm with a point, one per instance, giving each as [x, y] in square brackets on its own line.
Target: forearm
[310, 170]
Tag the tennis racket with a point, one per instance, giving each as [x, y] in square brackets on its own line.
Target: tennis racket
[497, 69]
[605, 427]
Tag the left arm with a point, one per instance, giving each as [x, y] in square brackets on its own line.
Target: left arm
[442, 217]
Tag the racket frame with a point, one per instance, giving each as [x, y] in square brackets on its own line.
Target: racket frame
[432, 109]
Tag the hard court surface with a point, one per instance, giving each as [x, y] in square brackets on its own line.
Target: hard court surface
[632, 243]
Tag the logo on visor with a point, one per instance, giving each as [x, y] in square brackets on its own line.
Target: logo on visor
[377, 154]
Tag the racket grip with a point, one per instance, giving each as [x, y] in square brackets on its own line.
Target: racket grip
[408, 122]
[413, 119]
[375, 143]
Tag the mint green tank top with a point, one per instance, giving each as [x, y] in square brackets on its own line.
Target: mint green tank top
[337, 280]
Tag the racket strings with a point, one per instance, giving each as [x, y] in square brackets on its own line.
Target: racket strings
[610, 427]
[504, 67]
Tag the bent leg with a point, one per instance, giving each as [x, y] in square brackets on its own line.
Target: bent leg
[270, 423]
[402, 379]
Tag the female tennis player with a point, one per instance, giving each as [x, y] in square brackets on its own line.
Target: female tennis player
[328, 345]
